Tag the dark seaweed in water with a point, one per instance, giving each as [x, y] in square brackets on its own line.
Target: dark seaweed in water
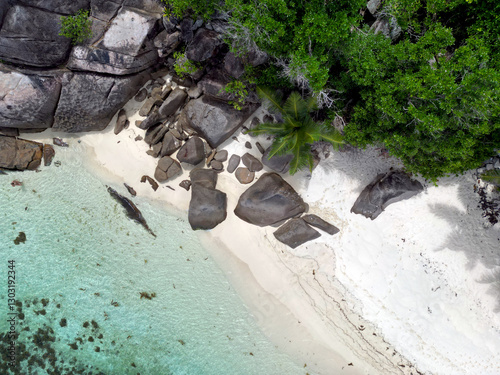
[21, 238]
[132, 211]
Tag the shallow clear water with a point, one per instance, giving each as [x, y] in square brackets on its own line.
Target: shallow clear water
[80, 274]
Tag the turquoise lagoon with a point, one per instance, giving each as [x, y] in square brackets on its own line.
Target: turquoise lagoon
[79, 278]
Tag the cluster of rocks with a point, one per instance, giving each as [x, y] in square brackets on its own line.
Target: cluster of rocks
[21, 154]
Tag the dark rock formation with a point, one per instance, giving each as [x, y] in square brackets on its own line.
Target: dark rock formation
[141, 95]
[59, 142]
[125, 47]
[295, 232]
[166, 42]
[244, 175]
[89, 101]
[234, 65]
[48, 154]
[20, 154]
[172, 103]
[192, 152]
[234, 161]
[155, 134]
[280, 164]
[121, 121]
[318, 222]
[221, 155]
[217, 165]
[214, 120]
[386, 189]
[185, 184]
[208, 206]
[203, 46]
[268, 201]
[130, 189]
[30, 36]
[170, 144]
[251, 162]
[28, 101]
[151, 181]
[205, 177]
[167, 168]
[132, 211]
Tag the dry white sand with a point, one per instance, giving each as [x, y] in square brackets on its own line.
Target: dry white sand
[418, 286]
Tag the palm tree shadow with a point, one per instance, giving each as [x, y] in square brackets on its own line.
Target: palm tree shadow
[473, 236]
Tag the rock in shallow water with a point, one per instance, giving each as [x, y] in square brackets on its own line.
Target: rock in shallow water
[386, 189]
[20, 154]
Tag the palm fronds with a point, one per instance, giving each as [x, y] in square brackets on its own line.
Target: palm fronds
[492, 176]
[297, 131]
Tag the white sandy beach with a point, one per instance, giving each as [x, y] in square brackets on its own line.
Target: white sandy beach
[415, 289]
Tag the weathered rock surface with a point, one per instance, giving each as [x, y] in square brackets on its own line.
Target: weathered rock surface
[166, 42]
[244, 175]
[251, 162]
[89, 101]
[268, 201]
[124, 49]
[386, 189]
[234, 65]
[221, 155]
[48, 154]
[20, 154]
[155, 134]
[167, 168]
[214, 120]
[203, 46]
[295, 232]
[207, 208]
[318, 222]
[217, 165]
[192, 152]
[172, 103]
[185, 184]
[170, 144]
[278, 163]
[28, 101]
[233, 163]
[141, 95]
[30, 36]
[205, 177]
[121, 121]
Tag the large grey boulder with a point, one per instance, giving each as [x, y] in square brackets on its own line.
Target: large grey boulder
[295, 232]
[192, 152]
[386, 189]
[214, 120]
[203, 45]
[125, 47]
[167, 168]
[64, 7]
[20, 154]
[30, 36]
[268, 201]
[173, 102]
[234, 65]
[205, 177]
[278, 163]
[207, 208]
[27, 101]
[89, 101]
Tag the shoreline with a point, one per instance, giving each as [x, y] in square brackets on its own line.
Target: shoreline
[323, 289]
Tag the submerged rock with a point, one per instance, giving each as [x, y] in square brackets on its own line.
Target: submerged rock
[386, 189]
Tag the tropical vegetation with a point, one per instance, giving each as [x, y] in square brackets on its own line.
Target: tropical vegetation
[425, 86]
[78, 27]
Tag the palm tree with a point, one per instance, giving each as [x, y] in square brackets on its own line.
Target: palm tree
[297, 131]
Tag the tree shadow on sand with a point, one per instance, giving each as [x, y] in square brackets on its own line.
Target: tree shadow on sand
[472, 235]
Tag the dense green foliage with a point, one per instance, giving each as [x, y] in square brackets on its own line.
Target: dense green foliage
[183, 66]
[430, 96]
[78, 27]
[297, 131]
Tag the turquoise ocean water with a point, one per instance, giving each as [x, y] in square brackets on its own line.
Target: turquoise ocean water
[80, 273]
